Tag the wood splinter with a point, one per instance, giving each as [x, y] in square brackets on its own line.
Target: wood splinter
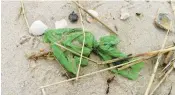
[110, 30]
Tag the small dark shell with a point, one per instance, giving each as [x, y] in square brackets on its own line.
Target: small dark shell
[73, 17]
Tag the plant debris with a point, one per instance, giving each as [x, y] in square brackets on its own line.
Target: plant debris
[169, 56]
[110, 30]
[170, 90]
[162, 80]
[43, 54]
[20, 12]
[73, 17]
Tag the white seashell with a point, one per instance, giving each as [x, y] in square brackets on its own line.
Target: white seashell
[37, 28]
[60, 24]
[94, 13]
[174, 64]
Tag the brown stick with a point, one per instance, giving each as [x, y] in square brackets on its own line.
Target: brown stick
[157, 64]
[169, 64]
[165, 76]
[138, 55]
[110, 30]
[129, 65]
[23, 13]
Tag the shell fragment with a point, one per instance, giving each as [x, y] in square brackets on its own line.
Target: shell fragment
[37, 28]
[60, 24]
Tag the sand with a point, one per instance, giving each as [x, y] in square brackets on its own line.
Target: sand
[23, 77]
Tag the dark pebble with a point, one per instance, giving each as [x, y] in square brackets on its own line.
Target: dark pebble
[73, 17]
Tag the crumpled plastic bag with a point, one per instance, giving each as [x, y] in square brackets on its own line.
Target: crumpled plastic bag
[69, 37]
[72, 38]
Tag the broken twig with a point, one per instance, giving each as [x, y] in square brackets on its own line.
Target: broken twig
[170, 90]
[157, 64]
[82, 49]
[169, 57]
[166, 68]
[37, 55]
[165, 76]
[110, 30]
[23, 13]
[152, 53]
[129, 65]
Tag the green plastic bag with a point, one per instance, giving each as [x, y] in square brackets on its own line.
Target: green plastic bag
[68, 37]
[72, 38]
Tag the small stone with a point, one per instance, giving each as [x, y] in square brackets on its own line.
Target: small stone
[124, 14]
[138, 14]
[60, 24]
[73, 17]
[37, 28]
